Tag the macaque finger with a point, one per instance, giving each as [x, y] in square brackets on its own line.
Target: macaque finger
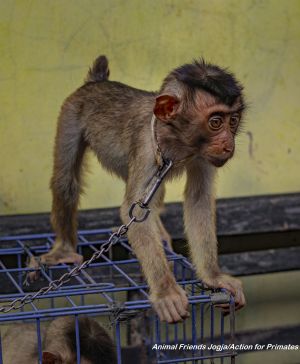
[184, 305]
[234, 286]
[182, 308]
[240, 301]
[165, 312]
[228, 287]
[223, 306]
[185, 300]
[226, 307]
[171, 308]
[174, 312]
[158, 311]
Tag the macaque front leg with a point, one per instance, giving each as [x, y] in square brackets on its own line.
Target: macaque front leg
[168, 298]
[166, 239]
[165, 236]
[199, 217]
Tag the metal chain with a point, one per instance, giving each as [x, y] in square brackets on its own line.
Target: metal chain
[152, 187]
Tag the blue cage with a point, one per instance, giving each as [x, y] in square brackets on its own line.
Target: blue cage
[113, 291]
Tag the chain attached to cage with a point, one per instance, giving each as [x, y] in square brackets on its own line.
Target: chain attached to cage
[119, 313]
[115, 237]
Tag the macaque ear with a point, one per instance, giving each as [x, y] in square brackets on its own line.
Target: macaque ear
[166, 107]
[51, 358]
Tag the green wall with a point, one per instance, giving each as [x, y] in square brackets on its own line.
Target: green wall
[46, 48]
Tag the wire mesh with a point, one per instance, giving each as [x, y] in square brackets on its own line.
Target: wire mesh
[113, 291]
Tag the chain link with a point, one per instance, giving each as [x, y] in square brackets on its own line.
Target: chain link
[113, 239]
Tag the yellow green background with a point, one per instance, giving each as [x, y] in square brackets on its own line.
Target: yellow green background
[46, 48]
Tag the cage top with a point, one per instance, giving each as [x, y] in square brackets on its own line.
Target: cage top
[113, 283]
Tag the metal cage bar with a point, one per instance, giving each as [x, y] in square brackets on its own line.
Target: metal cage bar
[102, 291]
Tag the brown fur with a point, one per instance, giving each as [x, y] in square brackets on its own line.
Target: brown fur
[113, 120]
[59, 343]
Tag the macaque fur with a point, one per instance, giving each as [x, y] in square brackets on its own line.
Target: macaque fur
[198, 112]
[59, 343]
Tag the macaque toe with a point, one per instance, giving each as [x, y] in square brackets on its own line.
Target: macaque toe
[33, 276]
[71, 258]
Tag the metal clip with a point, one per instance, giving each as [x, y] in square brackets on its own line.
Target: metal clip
[162, 172]
[142, 206]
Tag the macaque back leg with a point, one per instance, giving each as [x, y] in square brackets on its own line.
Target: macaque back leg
[66, 188]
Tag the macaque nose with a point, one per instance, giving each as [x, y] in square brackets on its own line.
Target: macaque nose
[227, 149]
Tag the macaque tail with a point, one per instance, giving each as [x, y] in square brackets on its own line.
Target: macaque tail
[99, 71]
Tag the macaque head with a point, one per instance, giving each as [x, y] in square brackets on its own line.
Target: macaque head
[200, 108]
[60, 342]
[56, 358]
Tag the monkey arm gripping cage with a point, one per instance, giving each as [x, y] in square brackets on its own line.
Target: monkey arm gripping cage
[113, 291]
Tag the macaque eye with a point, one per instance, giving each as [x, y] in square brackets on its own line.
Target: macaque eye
[215, 122]
[234, 121]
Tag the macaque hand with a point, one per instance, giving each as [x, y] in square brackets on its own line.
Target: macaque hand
[231, 284]
[171, 305]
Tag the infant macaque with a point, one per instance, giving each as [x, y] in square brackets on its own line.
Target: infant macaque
[20, 345]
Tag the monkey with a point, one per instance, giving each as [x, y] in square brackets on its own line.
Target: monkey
[192, 120]
[59, 343]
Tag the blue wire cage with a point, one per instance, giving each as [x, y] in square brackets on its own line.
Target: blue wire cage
[113, 290]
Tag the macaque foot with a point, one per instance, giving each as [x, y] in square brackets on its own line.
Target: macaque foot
[233, 285]
[54, 257]
[172, 305]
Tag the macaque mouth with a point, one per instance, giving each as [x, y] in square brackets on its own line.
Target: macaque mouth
[218, 162]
